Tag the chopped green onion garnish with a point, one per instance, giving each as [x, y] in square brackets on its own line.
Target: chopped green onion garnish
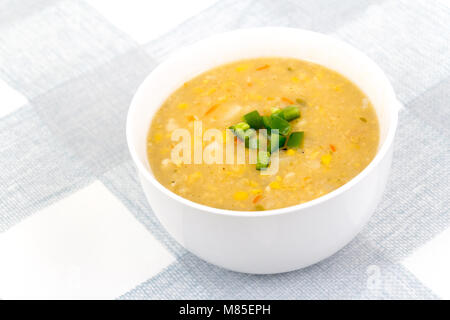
[275, 110]
[279, 123]
[243, 131]
[290, 113]
[262, 142]
[254, 120]
[295, 139]
[250, 139]
[278, 113]
[240, 126]
[275, 146]
[263, 160]
[278, 128]
[266, 121]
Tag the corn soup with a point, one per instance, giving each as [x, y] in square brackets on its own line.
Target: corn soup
[327, 133]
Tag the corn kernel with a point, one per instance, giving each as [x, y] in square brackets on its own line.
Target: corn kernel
[182, 106]
[295, 79]
[275, 185]
[242, 67]
[193, 177]
[326, 159]
[255, 97]
[240, 195]
[290, 152]
[157, 137]
[256, 191]
[211, 91]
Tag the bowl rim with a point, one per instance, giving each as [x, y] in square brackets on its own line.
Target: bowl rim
[381, 153]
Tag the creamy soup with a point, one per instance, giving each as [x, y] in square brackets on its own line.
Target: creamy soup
[335, 124]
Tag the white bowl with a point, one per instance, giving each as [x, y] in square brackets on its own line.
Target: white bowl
[278, 240]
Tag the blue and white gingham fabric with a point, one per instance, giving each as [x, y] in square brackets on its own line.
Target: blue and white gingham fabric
[73, 219]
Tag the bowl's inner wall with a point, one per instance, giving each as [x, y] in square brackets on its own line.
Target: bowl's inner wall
[252, 43]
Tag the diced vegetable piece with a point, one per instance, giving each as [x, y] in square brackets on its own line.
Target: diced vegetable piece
[275, 185]
[257, 198]
[240, 126]
[254, 120]
[300, 101]
[242, 67]
[262, 67]
[275, 109]
[281, 141]
[287, 100]
[158, 137]
[251, 139]
[290, 152]
[239, 133]
[251, 143]
[211, 109]
[326, 159]
[279, 123]
[240, 195]
[277, 112]
[263, 160]
[240, 129]
[295, 139]
[266, 122]
[260, 141]
[182, 105]
[274, 146]
[290, 113]
[192, 118]
[243, 131]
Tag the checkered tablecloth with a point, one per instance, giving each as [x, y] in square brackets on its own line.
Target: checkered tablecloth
[73, 219]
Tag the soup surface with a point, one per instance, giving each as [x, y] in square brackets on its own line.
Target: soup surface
[339, 123]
